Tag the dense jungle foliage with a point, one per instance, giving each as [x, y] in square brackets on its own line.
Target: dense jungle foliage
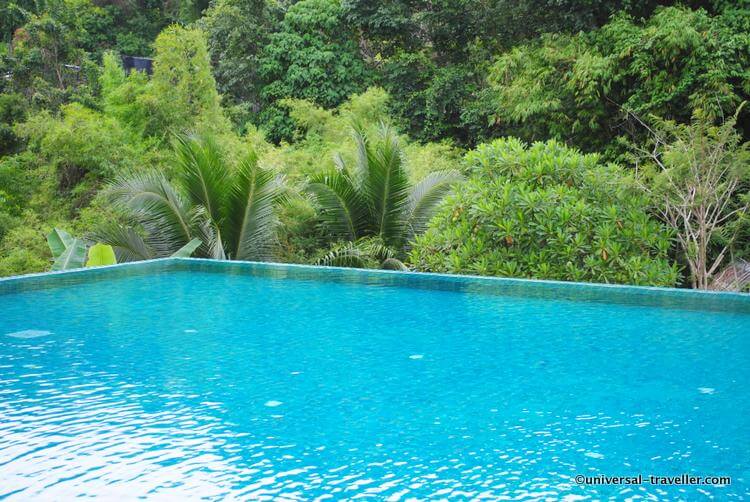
[596, 140]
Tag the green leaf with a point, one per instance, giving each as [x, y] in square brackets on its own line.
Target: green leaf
[101, 254]
[250, 207]
[340, 204]
[73, 256]
[426, 196]
[158, 206]
[385, 184]
[203, 173]
[187, 250]
[393, 264]
[58, 240]
[127, 243]
[347, 255]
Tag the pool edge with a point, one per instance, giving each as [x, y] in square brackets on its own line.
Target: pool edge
[708, 300]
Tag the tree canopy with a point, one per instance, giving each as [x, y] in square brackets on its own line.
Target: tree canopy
[581, 93]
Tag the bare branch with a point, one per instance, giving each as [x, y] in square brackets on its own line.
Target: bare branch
[697, 188]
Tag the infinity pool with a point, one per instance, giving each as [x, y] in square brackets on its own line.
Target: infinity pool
[182, 379]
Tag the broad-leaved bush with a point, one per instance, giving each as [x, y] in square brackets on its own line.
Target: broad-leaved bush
[546, 211]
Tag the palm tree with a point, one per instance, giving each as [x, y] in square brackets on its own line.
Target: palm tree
[229, 213]
[372, 205]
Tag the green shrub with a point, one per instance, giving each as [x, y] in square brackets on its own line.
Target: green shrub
[180, 97]
[576, 87]
[122, 94]
[80, 144]
[17, 183]
[546, 212]
[299, 234]
[183, 91]
[13, 109]
[322, 134]
[7, 221]
[23, 249]
[314, 56]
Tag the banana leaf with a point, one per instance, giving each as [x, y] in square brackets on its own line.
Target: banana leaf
[58, 240]
[73, 256]
[101, 254]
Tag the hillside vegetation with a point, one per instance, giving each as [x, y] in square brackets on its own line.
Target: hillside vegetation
[597, 140]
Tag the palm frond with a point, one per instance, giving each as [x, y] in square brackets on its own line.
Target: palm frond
[360, 172]
[425, 198]
[393, 264]
[208, 232]
[158, 207]
[369, 252]
[375, 248]
[734, 277]
[347, 255]
[251, 217]
[202, 174]
[128, 244]
[340, 205]
[188, 249]
[386, 187]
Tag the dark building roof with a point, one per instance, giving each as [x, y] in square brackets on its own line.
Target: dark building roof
[138, 64]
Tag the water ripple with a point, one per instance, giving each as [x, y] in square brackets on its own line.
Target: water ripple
[298, 390]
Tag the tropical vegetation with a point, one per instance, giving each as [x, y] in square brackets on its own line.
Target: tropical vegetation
[374, 199]
[219, 211]
[547, 211]
[602, 140]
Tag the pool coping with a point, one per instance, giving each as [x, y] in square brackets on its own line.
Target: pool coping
[576, 291]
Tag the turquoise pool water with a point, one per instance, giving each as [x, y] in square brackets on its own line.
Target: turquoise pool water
[177, 380]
